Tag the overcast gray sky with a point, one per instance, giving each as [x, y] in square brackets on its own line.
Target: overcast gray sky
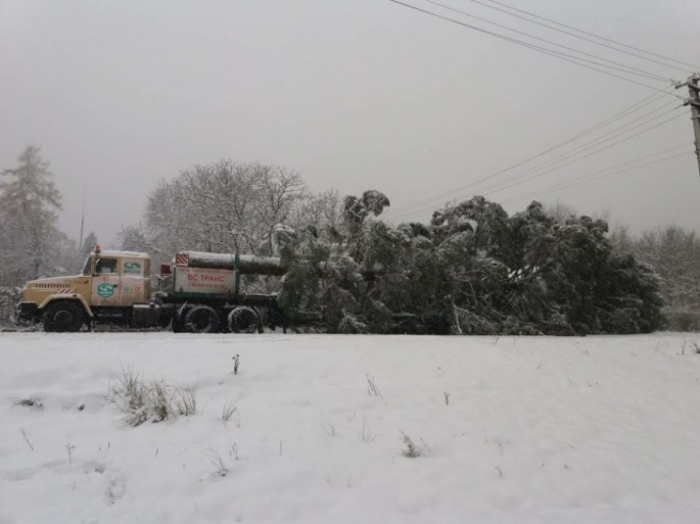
[353, 95]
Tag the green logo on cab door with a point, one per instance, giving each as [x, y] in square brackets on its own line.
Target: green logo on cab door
[132, 268]
[105, 290]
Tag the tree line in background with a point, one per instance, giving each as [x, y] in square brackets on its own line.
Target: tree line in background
[473, 269]
[674, 253]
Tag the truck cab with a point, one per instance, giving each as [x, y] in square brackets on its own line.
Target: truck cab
[111, 283]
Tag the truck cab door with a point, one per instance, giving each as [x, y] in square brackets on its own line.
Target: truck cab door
[106, 290]
[135, 281]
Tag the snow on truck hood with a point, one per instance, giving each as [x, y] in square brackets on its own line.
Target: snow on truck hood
[67, 280]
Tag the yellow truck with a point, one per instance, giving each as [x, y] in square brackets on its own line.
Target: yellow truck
[196, 292]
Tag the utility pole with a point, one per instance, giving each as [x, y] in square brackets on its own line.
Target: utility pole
[693, 101]
[82, 220]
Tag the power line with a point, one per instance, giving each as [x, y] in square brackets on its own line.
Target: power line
[500, 185]
[619, 131]
[590, 178]
[578, 60]
[495, 187]
[614, 118]
[620, 66]
[580, 37]
[695, 67]
[618, 116]
[568, 58]
[581, 181]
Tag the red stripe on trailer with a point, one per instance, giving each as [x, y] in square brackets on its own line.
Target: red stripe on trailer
[64, 291]
[182, 259]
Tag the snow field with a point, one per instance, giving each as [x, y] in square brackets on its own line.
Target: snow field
[561, 430]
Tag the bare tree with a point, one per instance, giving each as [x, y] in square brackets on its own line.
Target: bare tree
[560, 211]
[220, 207]
[322, 215]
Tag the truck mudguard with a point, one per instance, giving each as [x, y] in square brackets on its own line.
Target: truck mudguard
[67, 296]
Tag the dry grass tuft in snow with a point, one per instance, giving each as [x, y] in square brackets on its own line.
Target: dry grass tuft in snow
[221, 465]
[372, 388]
[26, 436]
[230, 409]
[69, 448]
[156, 400]
[184, 400]
[221, 468]
[412, 449]
[366, 434]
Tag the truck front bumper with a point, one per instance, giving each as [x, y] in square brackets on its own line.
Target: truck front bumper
[27, 312]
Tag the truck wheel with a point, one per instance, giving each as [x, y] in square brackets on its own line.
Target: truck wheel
[244, 320]
[63, 317]
[202, 319]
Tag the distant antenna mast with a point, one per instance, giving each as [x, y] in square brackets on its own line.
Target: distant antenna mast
[82, 220]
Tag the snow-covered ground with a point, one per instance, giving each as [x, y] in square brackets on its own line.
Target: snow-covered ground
[560, 430]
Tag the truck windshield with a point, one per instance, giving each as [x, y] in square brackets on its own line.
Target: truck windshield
[87, 270]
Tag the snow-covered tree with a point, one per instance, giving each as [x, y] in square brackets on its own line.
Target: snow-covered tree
[29, 202]
[357, 210]
[88, 245]
[472, 270]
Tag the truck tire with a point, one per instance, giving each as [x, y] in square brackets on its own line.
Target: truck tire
[244, 319]
[63, 317]
[202, 319]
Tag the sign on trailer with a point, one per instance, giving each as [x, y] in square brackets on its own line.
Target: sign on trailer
[204, 280]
